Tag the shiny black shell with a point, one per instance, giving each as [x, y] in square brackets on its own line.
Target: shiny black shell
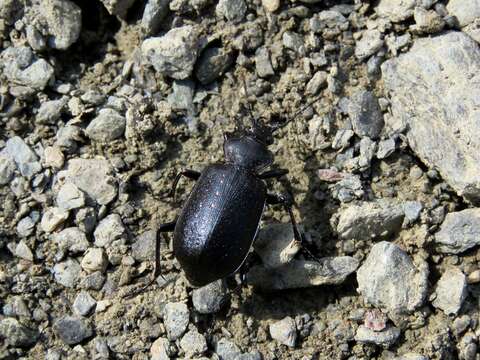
[218, 223]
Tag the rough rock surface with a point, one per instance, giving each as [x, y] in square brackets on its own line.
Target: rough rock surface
[384, 338]
[450, 291]
[459, 232]
[173, 54]
[389, 279]
[368, 220]
[433, 82]
[94, 177]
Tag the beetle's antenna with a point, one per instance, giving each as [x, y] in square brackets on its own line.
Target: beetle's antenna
[281, 125]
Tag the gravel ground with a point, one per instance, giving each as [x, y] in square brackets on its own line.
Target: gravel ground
[102, 102]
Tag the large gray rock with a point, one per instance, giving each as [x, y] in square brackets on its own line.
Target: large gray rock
[434, 93]
[210, 298]
[450, 291]
[92, 176]
[465, 11]
[173, 54]
[459, 232]
[369, 44]
[67, 272]
[388, 279]
[368, 220]
[21, 67]
[7, 169]
[70, 197]
[25, 158]
[301, 274]
[212, 63]
[59, 20]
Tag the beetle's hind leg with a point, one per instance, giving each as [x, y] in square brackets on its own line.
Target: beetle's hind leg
[287, 203]
[163, 228]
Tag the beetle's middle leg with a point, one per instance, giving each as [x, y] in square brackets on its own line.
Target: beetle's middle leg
[191, 174]
[163, 228]
[287, 203]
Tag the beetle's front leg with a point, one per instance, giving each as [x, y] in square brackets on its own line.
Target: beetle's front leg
[191, 174]
[163, 228]
[287, 203]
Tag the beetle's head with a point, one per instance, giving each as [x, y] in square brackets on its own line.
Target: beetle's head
[250, 150]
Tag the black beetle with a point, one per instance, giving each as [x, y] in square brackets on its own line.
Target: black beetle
[218, 223]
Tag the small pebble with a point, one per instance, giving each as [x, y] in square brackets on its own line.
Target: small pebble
[284, 331]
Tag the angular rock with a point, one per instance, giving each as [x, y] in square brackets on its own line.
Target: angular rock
[159, 349]
[232, 10]
[50, 111]
[144, 247]
[92, 176]
[107, 126]
[210, 298]
[118, 7]
[388, 279]
[369, 44]
[21, 67]
[318, 80]
[86, 219]
[384, 338]
[263, 65]
[25, 226]
[182, 96]
[108, 230]
[23, 251]
[226, 349]
[284, 331]
[61, 20]
[173, 54]
[412, 210]
[67, 138]
[365, 114]
[70, 197]
[292, 41]
[52, 219]
[176, 318]
[465, 11]
[328, 19]
[93, 281]
[193, 343]
[212, 64]
[67, 273]
[72, 239]
[441, 134]
[301, 274]
[35, 38]
[450, 291]
[84, 303]
[385, 148]
[16, 334]
[155, 11]
[72, 330]
[276, 245]
[7, 169]
[25, 158]
[396, 10]
[459, 232]
[427, 21]
[369, 220]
